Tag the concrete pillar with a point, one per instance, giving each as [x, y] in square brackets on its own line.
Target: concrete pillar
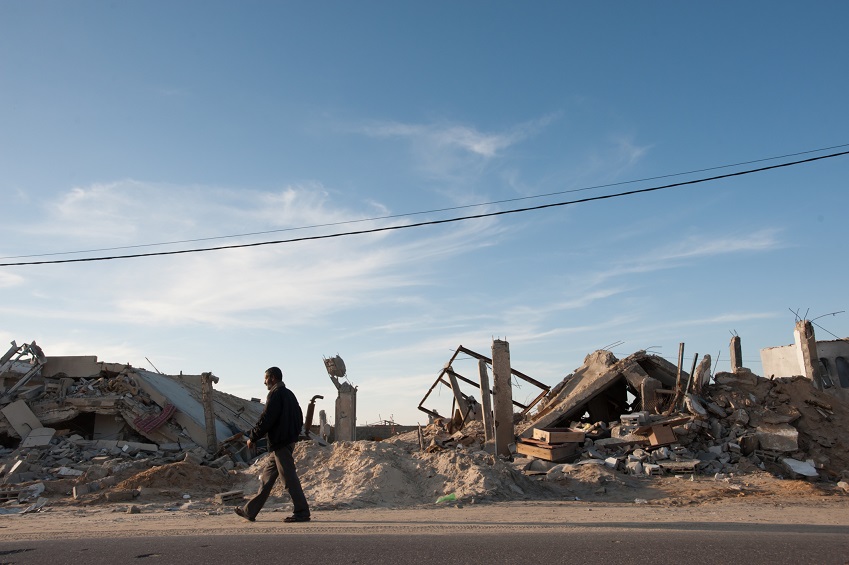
[486, 403]
[806, 348]
[206, 380]
[346, 413]
[736, 353]
[323, 427]
[503, 392]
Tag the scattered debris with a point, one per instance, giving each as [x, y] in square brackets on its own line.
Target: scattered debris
[81, 432]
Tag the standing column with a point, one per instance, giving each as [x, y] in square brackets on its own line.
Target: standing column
[809, 361]
[502, 389]
[346, 413]
[736, 353]
[486, 403]
[206, 380]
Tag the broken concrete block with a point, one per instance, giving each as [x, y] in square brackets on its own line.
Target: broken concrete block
[634, 467]
[80, 490]
[31, 492]
[68, 472]
[740, 417]
[39, 437]
[540, 466]
[661, 453]
[694, 406]
[95, 472]
[802, 468]
[121, 495]
[220, 462]
[193, 458]
[778, 437]
[716, 410]
[611, 462]
[559, 472]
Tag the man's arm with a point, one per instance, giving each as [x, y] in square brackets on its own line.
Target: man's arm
[269, 417]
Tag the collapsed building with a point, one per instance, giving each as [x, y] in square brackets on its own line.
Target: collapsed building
[643, 415]
[75, 430]
[114, 402]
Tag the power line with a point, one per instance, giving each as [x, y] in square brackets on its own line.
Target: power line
[433, 211]
[434, 222]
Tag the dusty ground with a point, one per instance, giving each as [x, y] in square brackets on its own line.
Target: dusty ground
[178, 499]
[160, 519]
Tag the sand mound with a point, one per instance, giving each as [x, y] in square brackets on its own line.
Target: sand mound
[182, 476]
[381, 474]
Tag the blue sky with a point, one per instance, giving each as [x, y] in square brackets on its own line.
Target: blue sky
[137, 123]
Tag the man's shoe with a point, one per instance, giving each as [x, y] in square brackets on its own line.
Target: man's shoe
[241, 512]
[296, 519]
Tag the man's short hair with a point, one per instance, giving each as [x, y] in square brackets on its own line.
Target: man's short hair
[275, 373]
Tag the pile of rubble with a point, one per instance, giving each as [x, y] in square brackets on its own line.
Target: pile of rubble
[76, 431]
[736, 424]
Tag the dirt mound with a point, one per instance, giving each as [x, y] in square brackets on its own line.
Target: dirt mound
[182, 476]
[383, 474]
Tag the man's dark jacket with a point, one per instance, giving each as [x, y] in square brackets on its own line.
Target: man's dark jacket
[281, 420]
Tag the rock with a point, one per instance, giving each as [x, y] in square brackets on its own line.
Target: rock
[694, 406]
[120, 495]
[558, 472]
[716, 410]
[540, 466]
[778, 437]
[797, 467]
[634, 467]
[740, 417]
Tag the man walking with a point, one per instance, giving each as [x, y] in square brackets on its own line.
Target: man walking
[281, 423]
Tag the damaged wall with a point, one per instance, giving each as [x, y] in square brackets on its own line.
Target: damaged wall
[833, 355]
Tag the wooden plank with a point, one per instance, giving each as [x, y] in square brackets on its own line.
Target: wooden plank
[541, 443]
[662, 435]
[555, 454]
[559, 435]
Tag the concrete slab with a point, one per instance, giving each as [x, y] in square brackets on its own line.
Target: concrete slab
[39, 437]
[21, 418]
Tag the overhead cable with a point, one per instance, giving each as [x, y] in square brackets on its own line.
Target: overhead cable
[434, 222]
[433, 211]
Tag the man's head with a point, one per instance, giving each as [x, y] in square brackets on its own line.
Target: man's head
[273, 375]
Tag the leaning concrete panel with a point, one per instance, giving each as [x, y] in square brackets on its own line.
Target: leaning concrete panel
[21, 418]
[599, 372]
[165, 389]
[575, 395]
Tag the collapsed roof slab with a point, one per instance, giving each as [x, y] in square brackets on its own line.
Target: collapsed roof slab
[184, 393]
[600, 373]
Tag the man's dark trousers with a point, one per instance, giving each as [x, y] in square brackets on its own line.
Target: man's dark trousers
[281, 463]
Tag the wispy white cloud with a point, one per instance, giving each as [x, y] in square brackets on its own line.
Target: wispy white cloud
[691, 248]
[628, 153]
[285, 285]
[446, 149]
[9, 279]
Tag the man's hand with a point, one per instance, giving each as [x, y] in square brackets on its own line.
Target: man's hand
[250, 443]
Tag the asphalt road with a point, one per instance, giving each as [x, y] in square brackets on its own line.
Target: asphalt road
[638, 544]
